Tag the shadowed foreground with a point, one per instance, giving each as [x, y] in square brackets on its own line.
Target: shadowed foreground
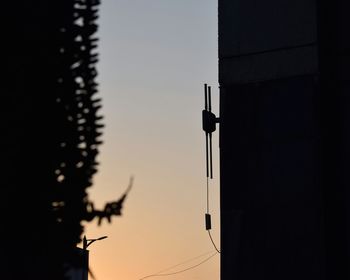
[51, 132]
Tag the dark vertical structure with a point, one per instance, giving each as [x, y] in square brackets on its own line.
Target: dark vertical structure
[51, 132]
[50, 128]
[284, 139]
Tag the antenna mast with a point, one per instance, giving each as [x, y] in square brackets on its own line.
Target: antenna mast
[209, 126]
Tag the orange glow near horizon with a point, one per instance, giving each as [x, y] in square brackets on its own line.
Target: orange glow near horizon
[155, 57]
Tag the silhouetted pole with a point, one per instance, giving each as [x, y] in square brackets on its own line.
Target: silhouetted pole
[87, 243]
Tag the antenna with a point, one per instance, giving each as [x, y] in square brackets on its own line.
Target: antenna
[210, 137]
[209, 126]
[204, 126]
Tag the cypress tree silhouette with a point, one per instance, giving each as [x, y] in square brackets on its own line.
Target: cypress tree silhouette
[51, 131]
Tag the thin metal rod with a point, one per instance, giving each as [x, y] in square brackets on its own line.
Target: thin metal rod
[207, 195]
[209, 98]
[210, 157]
[206, 97]
[207, 153]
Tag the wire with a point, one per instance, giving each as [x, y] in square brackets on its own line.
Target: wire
[186, 261]
[212, 241]
[180, 271]
[92, 274]
[207, 195]
[208, 228]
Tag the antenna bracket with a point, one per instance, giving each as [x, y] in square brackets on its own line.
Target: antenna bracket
[209, 121]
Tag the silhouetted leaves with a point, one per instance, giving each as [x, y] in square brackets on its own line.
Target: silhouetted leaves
[51, 129]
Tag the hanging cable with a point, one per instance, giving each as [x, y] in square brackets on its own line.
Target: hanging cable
[184, 262]
[212, 241]
[180, 271]
[208, 220]
[207, 195]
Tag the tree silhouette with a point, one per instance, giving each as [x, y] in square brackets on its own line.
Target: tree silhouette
[51, 131]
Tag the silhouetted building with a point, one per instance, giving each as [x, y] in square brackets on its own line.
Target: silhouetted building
[284, 139]
[79, 272]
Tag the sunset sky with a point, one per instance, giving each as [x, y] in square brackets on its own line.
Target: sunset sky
[155, 56]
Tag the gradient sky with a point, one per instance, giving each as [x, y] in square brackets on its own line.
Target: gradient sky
[155, 56]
